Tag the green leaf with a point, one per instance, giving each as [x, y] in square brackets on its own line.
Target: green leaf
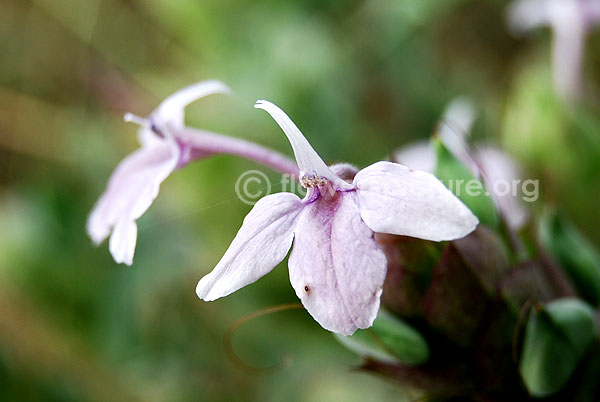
[576, 255]
[556, 339]
[464, 185]
[389, 339]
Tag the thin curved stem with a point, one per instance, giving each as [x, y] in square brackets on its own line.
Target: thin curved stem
[204, 143]
[285, 361]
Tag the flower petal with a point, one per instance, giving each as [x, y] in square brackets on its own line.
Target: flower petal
[455, 127]
[524, 15]
[335, 265]
[131, 189]
[591, 12]
[419, 156]
[567, 55]
[309, 162]
[170, 110]
[500, 172]
[261, 243]
[122, 241]
[453, 130]
[397, 200]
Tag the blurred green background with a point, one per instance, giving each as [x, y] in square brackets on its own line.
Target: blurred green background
[360, 78]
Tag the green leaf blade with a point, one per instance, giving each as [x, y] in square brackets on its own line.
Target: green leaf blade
[390, 340]
[556, 338]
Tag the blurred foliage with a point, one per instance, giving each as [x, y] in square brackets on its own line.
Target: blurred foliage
[389, 339]
[360, 78]
[556, 338]
[579, 258]
[454, 175]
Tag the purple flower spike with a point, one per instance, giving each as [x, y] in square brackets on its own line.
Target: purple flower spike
[336, 267]
[136, 180]
[569, 20]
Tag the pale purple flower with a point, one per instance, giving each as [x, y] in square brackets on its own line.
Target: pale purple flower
[453, 130]
[569, 21]
[136, 180]
[336, 267]
[494, 167]
[499, 171]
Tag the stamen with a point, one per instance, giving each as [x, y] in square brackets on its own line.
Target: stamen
[314, 180]
[132, 118]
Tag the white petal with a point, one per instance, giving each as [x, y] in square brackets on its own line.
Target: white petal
[453, 130]
[261, 243]
[307, 158]
[132, 188]
[501, 173]
[148, 138]
[591, 12]
[336, 267]
[397, 200]
[455, 127]
[417, 156]
[524, 15]
[122, 241]
[567, 55]
[171, 109]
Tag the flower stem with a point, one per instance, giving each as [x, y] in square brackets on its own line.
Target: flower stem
[204, 143]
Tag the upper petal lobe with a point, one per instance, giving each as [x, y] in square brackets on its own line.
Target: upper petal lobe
[309, 162]
[397, 200]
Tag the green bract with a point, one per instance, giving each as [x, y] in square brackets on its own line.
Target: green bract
[556, 339]
[576, 255]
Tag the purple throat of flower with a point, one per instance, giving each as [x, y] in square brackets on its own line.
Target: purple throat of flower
[321, 186]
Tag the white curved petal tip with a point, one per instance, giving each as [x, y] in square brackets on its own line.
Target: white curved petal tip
[261, 104]
[218, 86]
[308, 160]
[122, 242]
[201, 290]
[195, 91]
[97, 232]
[523, 15]
[205, 289]
[201, 89]
[172, 107]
